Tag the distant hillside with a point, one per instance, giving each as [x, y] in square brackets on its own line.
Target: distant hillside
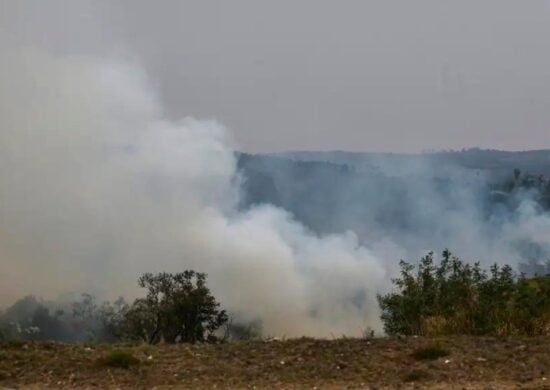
[334, 192]
[422, 201]
[494, 161]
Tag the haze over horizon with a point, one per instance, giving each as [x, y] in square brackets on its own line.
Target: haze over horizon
[378, 76]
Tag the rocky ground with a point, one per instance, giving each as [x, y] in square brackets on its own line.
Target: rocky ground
[457, 362]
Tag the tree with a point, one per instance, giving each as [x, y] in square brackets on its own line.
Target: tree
[111, 318]
[177, 308]
[85, 321]
[99, 322]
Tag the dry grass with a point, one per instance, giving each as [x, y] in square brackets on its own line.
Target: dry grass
[301, 363]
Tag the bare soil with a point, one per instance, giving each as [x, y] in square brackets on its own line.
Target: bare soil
[388, 363]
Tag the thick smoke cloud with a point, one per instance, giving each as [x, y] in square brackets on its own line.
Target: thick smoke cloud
[97, 188]
[404, 206]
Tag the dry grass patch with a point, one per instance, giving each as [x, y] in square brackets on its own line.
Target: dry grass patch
[477, 362]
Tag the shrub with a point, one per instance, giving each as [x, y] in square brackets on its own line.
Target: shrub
[119, 359]
[458, 298]
[431, 352]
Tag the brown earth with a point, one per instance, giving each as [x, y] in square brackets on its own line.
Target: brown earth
[473, 362]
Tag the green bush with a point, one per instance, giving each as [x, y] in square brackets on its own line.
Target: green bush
[120, 359]
[454, 297]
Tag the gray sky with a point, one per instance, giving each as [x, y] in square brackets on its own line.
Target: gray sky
[310, 74]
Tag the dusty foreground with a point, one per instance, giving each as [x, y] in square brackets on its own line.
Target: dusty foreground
[302, 363]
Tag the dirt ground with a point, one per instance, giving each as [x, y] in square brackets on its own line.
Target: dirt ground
[472, 363]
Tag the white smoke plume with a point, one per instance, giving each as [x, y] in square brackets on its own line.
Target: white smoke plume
[97, 188]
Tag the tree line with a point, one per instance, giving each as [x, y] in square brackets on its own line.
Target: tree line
[429, 298]
[449, 297]
[176, 308]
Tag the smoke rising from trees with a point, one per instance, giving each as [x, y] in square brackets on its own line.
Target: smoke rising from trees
[97, 188]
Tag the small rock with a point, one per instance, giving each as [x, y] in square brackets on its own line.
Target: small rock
[447, 361]
[282, 362]
[150, 357]
[481, 359]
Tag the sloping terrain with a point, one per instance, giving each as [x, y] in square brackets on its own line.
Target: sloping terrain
[302, 363]
[495, 162]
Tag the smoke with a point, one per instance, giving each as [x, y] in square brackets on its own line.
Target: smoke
[404, 206]
[96, 188]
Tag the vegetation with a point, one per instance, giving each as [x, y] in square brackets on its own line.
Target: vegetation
[119, 359]
[177, 308]
[446, 298]
[304, 363]
[453, 297]
[431, 352]
[537, 185]
[449, 297]
[30, 319]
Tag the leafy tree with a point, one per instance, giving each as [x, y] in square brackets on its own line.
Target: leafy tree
[84, 315]
[177, 308]
[99, 322]
[112, 317]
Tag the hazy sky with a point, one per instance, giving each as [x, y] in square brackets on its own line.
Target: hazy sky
[309, 74]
